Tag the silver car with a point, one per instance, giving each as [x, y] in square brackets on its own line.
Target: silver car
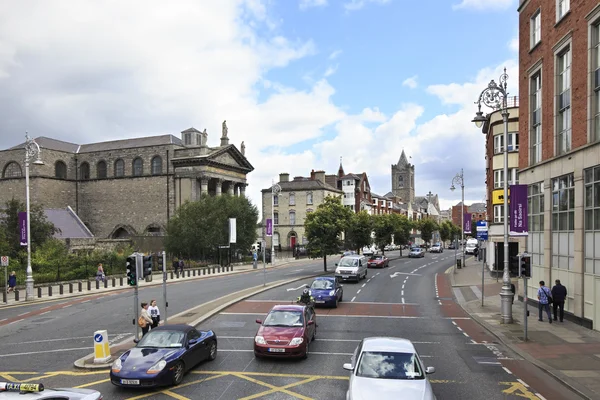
[27, 391]
[387, 368]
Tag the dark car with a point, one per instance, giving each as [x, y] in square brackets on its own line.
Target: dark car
[379, 262]
[163, 356]
[286, 332]
[327, 291]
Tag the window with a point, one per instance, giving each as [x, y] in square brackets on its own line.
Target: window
[276, 218]
[60, 170]
[187, 139]
[119, 168]
[563, 118]
[84, 171]
[292, 218]
[498, 213]
[275, 239]
[513, 142]
[499, 177]
[292, 199]
[309, 198]
[12, 170]
[138, 167]
[596, 82]
[535, 239]
[156, 165]
[275, 200]
[101, 169]
[591, 181]
[401, 181]
[563, 221]
[562, 8]
[535, 136]
[536, 28]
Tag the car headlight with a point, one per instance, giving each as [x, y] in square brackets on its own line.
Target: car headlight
[259, 340]
[117, 365]
[296, 341]
[159, 366]
[332, 293]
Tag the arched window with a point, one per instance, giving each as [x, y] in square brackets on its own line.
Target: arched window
[276, 200]
[292, 217]
[101, 170]
[292, 199]
[156, 165]
[138, 167]
[120, 233]
[276, 218]
[12, 170]
[84, 171]
[119, 168]
[60, 170]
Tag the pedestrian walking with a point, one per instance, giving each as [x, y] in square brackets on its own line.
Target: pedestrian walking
[181, 265]
[175, 265]
[12, 282]
[144, 321]
[559, 295]
[544, 299]
[154, 314]
[100, 273]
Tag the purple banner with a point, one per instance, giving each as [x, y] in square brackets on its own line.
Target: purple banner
[269, 227]
[518, 210]
[23, 228]
[467, 223]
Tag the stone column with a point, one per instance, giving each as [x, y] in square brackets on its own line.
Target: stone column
[204, 186]
[231, 188]
[219, 186]
[243, 189]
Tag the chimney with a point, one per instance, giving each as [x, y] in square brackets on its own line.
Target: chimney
[319, 176]
[284, 177]
[312, 175]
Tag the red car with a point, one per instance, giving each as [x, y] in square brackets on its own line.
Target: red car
[379, 262]
[286, 332]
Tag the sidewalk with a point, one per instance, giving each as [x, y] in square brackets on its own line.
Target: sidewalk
[567, 351]
[62, 290]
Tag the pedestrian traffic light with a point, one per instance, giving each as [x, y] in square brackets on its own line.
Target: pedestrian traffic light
[147, 266]
[131, 271]
[525, 266]
[258, 247]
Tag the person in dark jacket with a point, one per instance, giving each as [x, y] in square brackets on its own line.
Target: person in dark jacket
[559, 295]
[12, 281]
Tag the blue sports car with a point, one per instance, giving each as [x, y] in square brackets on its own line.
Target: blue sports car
[326, 291]
[163, 356]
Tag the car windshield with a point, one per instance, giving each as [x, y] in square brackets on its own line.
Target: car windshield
[416, 249]
[377, 258]
[348, 262]
[322, 284]
[284, 318]
[162, 339]
[389, 365]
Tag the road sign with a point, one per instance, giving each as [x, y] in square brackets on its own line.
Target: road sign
[98, 338]
[4, 261]
[101, 347]
[482, 230]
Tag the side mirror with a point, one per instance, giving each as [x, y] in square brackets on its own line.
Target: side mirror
[430, 370]
[336, 264]
[259, 321]
[136, 341]
[307, 286]
[192, 341]
[348, 367]
[310, 322]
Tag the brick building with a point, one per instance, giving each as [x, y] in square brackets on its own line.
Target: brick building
[129, 187]
[559, 155]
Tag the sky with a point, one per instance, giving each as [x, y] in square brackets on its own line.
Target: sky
[301, 82]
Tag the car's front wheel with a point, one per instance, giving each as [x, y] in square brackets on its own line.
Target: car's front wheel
[212, 350]
[178, 372]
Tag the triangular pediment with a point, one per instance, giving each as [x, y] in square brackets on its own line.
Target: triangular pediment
[231, 156]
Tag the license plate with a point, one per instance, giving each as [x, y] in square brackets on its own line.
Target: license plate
[130, 382]
[345, 276]
[277, 350]
[320, 301]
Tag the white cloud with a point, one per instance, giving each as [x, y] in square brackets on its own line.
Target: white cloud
[305, 4]
[330, 70]
[513, 45]
[411, 82]
[484, 5]
[353, 5]
[335, 54]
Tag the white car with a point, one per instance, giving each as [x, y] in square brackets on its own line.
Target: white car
[388, 368]
[27, 391]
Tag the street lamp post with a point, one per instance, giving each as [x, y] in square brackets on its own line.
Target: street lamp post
[275, 190]
[459, 179]
[495, 96]
[32, 149]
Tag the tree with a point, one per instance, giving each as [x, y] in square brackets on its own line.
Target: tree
[41, 228]
[324, 227]
[384, 228]
[402, 228]
[427, 226]
[198, 228]
[446, 231]
[359, 230]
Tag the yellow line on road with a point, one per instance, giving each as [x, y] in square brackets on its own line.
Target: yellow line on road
[518, 389]
[280, 389]
[271, 374]
[175, 395]
[92, 383]
[275, 388]
[8, 377]
[37, 378]
[143, 396]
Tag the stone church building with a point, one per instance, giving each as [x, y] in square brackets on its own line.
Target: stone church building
[129, 187]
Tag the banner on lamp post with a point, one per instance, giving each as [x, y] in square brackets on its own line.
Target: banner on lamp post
[232, 230]
[269, 227]
[467, 223]
[23, 228]
[519, 224]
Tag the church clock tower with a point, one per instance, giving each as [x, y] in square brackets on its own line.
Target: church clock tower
[403, 179]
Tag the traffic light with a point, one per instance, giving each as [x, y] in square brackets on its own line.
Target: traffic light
[131, 271]
[147, 266]
[259, 247]
[525, 269]
[159, 256]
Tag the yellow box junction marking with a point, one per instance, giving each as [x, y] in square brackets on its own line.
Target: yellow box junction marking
[518, 389]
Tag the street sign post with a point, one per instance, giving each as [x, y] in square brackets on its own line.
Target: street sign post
[164, 284]
[482, 230]
[4, 261]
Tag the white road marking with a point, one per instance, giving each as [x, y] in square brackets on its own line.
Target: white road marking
[344, 316]
[402, 293]
[10, 323]
[364, 284]
[298, 288]
[465, 333]
[404, 284]
[3, 319]
[522, 383]
[490, 362]
[458, 294]
[320, 339]
[23, 314]
[476, 290]
[369, 280]
[353, 299]
[459, 328]
[45, 312]
[403, 300]
[358, 291]
[298, 270]
[85, 301]
[68, 306]
[62, 339]
[540, 396]
[454, 323]
[48, 351]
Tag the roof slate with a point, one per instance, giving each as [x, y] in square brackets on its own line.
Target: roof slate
[68, 223]
[51, 144]
[131, 143]
[305, 184]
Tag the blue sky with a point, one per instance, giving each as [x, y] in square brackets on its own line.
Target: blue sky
[300, 85]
